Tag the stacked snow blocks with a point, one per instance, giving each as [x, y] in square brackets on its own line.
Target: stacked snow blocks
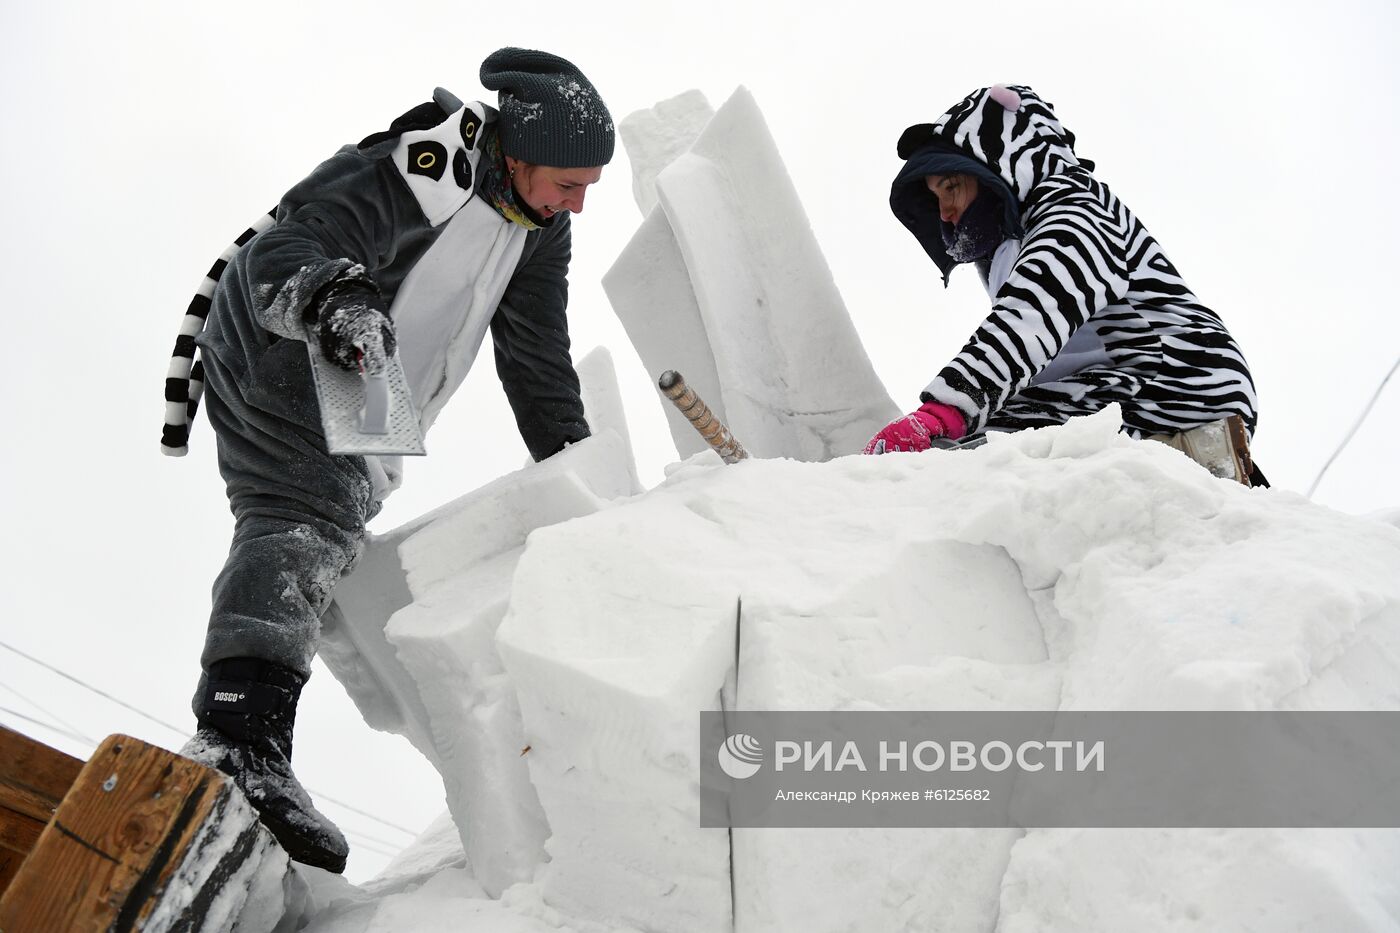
[725, 282]
[459, 571]
[412, 636]
[613, 668]
[1068, 568]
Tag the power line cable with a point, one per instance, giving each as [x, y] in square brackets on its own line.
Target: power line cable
[1354, 428]
[100, 693]
[49, 713]
[360, 841]
[393, 846]
[49, 726]
[378, 819]
[185, 734]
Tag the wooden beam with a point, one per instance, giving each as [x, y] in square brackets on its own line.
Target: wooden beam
[148, 840]
[33, 779]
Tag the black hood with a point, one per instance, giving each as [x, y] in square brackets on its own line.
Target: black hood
[1005, 136]
[917, 207]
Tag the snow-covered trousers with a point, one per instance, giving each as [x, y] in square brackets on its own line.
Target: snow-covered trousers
[299, 512]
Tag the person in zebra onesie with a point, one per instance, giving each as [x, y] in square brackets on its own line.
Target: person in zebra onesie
[1087, 309]
[453, 223]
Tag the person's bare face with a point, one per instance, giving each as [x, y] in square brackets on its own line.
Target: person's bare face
[954, 193]
[549, 190]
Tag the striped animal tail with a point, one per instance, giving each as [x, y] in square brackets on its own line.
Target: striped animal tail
[184, 380]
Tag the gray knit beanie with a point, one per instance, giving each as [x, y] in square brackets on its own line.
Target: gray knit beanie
[550, 113]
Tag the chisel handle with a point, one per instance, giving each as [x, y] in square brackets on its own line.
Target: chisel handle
[672, 385]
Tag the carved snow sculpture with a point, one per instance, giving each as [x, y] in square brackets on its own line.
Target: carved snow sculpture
[1068, 568]
[726, 283]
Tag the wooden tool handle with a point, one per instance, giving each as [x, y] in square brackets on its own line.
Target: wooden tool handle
[714, 432]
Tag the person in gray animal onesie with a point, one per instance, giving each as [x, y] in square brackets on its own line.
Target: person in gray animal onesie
[420, 239]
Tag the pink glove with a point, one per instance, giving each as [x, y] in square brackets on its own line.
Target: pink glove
[914, 431]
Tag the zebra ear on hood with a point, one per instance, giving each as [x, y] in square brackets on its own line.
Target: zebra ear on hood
[913, 138]
[1003, 95]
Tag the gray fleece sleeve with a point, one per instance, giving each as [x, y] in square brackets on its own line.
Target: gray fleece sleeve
[341, 215]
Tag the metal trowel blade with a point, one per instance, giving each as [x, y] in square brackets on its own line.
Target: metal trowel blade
[365, 415]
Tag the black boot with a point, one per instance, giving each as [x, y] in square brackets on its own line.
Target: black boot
[245, 731]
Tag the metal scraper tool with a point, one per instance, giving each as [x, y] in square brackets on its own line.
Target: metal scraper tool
[363, 414]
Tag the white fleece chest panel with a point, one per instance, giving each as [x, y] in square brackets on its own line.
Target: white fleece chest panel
[440, 164]
[444, 307]
[443, 310]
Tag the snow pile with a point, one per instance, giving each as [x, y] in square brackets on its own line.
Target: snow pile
[725, 282]
[1066, 568]
[428, 887]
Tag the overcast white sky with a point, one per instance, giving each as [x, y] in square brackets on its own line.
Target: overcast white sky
[1257, 141]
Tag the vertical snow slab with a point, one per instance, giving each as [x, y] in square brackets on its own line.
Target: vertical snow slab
[725, 281]
[411, 632]
[615, 645]
[354, 647]
[649, 287]
[656, 136]
[602, 405]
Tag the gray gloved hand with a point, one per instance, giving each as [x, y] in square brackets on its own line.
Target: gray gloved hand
[351, 319]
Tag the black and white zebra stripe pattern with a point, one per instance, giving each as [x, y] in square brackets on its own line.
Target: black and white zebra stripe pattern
[1174, 366]
[184, 380]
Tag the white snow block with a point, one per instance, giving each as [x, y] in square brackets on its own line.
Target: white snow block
[497, 517]
[650, 290]
[352, 631]
[459, 570]
[615, 646]
[654, 137]
[355, 650]
[793, 378]
[602, 404]
[412, 636]
[445, 640]
[447, 899]
[919, 622]
[1202, 879]
[869, 879]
